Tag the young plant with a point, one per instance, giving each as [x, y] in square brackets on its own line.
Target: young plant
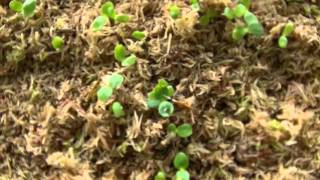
[287, 31]
[138, 35]
[195, 5]
[120, 55]
[246, 3]
[27, 8]
[117, 110]
[113, 82]
[165, 109]
[160, 176]
[174, 12]
[183, 131]
[104, 93]
[99, 22]
[181, 162]
[107, 9]
[123, 18]
[16, 5]
[57, 43]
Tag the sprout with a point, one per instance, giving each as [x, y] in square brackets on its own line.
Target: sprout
[228, 12]
[115, 80]
[287, 31]
[160, 176]
[253, 24]
[283, 42]
[117, 110]
[57, 42]
[195, 5]
[165, 108]
[246, 3]
[238, 33]
[99, 22]
[28, 8]
[104, 93]
[183, 131]
[138, 35]
[16, 5]
[129, 61]
[160, 93]
[181, 161]
[240, 10]
[182, 175]
[122, 18]
[174, 11]
[107, 9]
[120, 55]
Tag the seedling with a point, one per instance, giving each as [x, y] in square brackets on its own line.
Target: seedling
[165, 108]
[16, 5]
[120, 55]
[104, 93]
[183, 131]
[123, 18]
[113, 82]
[57, 42]
[162, 92]
[174, 12]
[240, 10]
[246, 3]
[181, 162]
[182, 175]
[160, 176]
[138, 35]
[108, 10]
[99, 22]
[287, 31]
[195, 5]
[27, 8]
[117, 110]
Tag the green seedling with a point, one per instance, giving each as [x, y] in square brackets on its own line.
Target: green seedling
[239, 32]
[205, 19]
[16, 5]
[287, 31]
[240, 10]
[123, 18]
[120, 55]
[165, 109]
[28, 8]
[181, 162]
[115, 80]
[57, 43]
[253, 24]
[104, 93]
[246, 3]
[99, 22]
[162, 92]
[183, 131]
[182, 175]
[160, 176]
[117, 110]
[174, 12]
[195, 5]
[228, 12]
[108, 10]
[138, 35]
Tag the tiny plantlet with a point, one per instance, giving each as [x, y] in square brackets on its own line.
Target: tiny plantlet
[57, 43]
[174, 12]
[114, 82]
[104, 93]
[160, 176]
[99, 22]
[183, 131]
[165, 109]
[117, 110]
[120, 55]
[27, 8]
[16, 5]
[240, 10]
[195, 5]
[107, 9]
[182, 175]
[138, 35]
[181, 162]
[123, 18]
[287, 31]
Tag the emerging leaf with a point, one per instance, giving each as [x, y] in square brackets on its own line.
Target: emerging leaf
[184, 130]
[165, 108]
[104, 93]
[115, 80]
[57, 42]
[117, 110]
[182, 175]
[120, 52]
[107, 9]
[240, 10]
[174, 11]
[16, 5]
[181, 161]
[28, 8]
[99, 22]
[160, 176]
[138, 35]
[283, 42]
[122, 18]
[129, 61]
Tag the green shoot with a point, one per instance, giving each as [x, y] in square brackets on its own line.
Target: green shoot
[122, 18]
[129, 61]
[288, 29]
[195, 5]
[16, 5]
[115, 81]
[99, 22]
[165, 108]
[161, 92]
[108, 10]
[119, 52]
[283, 42]
[240, 10]
[246, 3]
[138, 35]
[181, 161]
[174, 12]
[182, 174]
[117, 110]
[250, 18]
[104, 93]
[238, 33]
[57, 42]
[160, 176]
[228, 12]
[183, 131]
[28, 8]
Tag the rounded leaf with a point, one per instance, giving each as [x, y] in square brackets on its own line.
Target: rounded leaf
[129, 61]
[165, 108]
[107, 9]
[117, 110]
[99, 22]
[119, 52]
[115, 80]
[240, 10]
[184, 130]
[28, 8]
[288, 29]
[122, 18]
[172, 128]
[283, 42]
[182, 175]
[238, 33]
[160, 176]
[16, 5]
[174, 11]
[57, 42]
[181, 161]
[104, 93]
[250, 18]
[138, 35]
[256, 29]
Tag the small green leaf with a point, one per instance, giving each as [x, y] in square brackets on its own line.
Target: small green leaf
[28, 8]
[122, 18]
[256, 29]
[184, 130]
[57, 42]
[174, 11]
[107, 9]
[129, 61]
[120, 52]
[228, 13]
[283, 42]
[99, 22]
[288, 29]
[250, 18]
[153, 103]
[172, 128]
[138, 35]
[181, 161]
[16, 5]
[117, 110]
[195, 5]
[104, 93]
[115, 80]
[165, 109]
[246, 3]
[238, 33]
[182, 174]
[160, 176]
[240, 10]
